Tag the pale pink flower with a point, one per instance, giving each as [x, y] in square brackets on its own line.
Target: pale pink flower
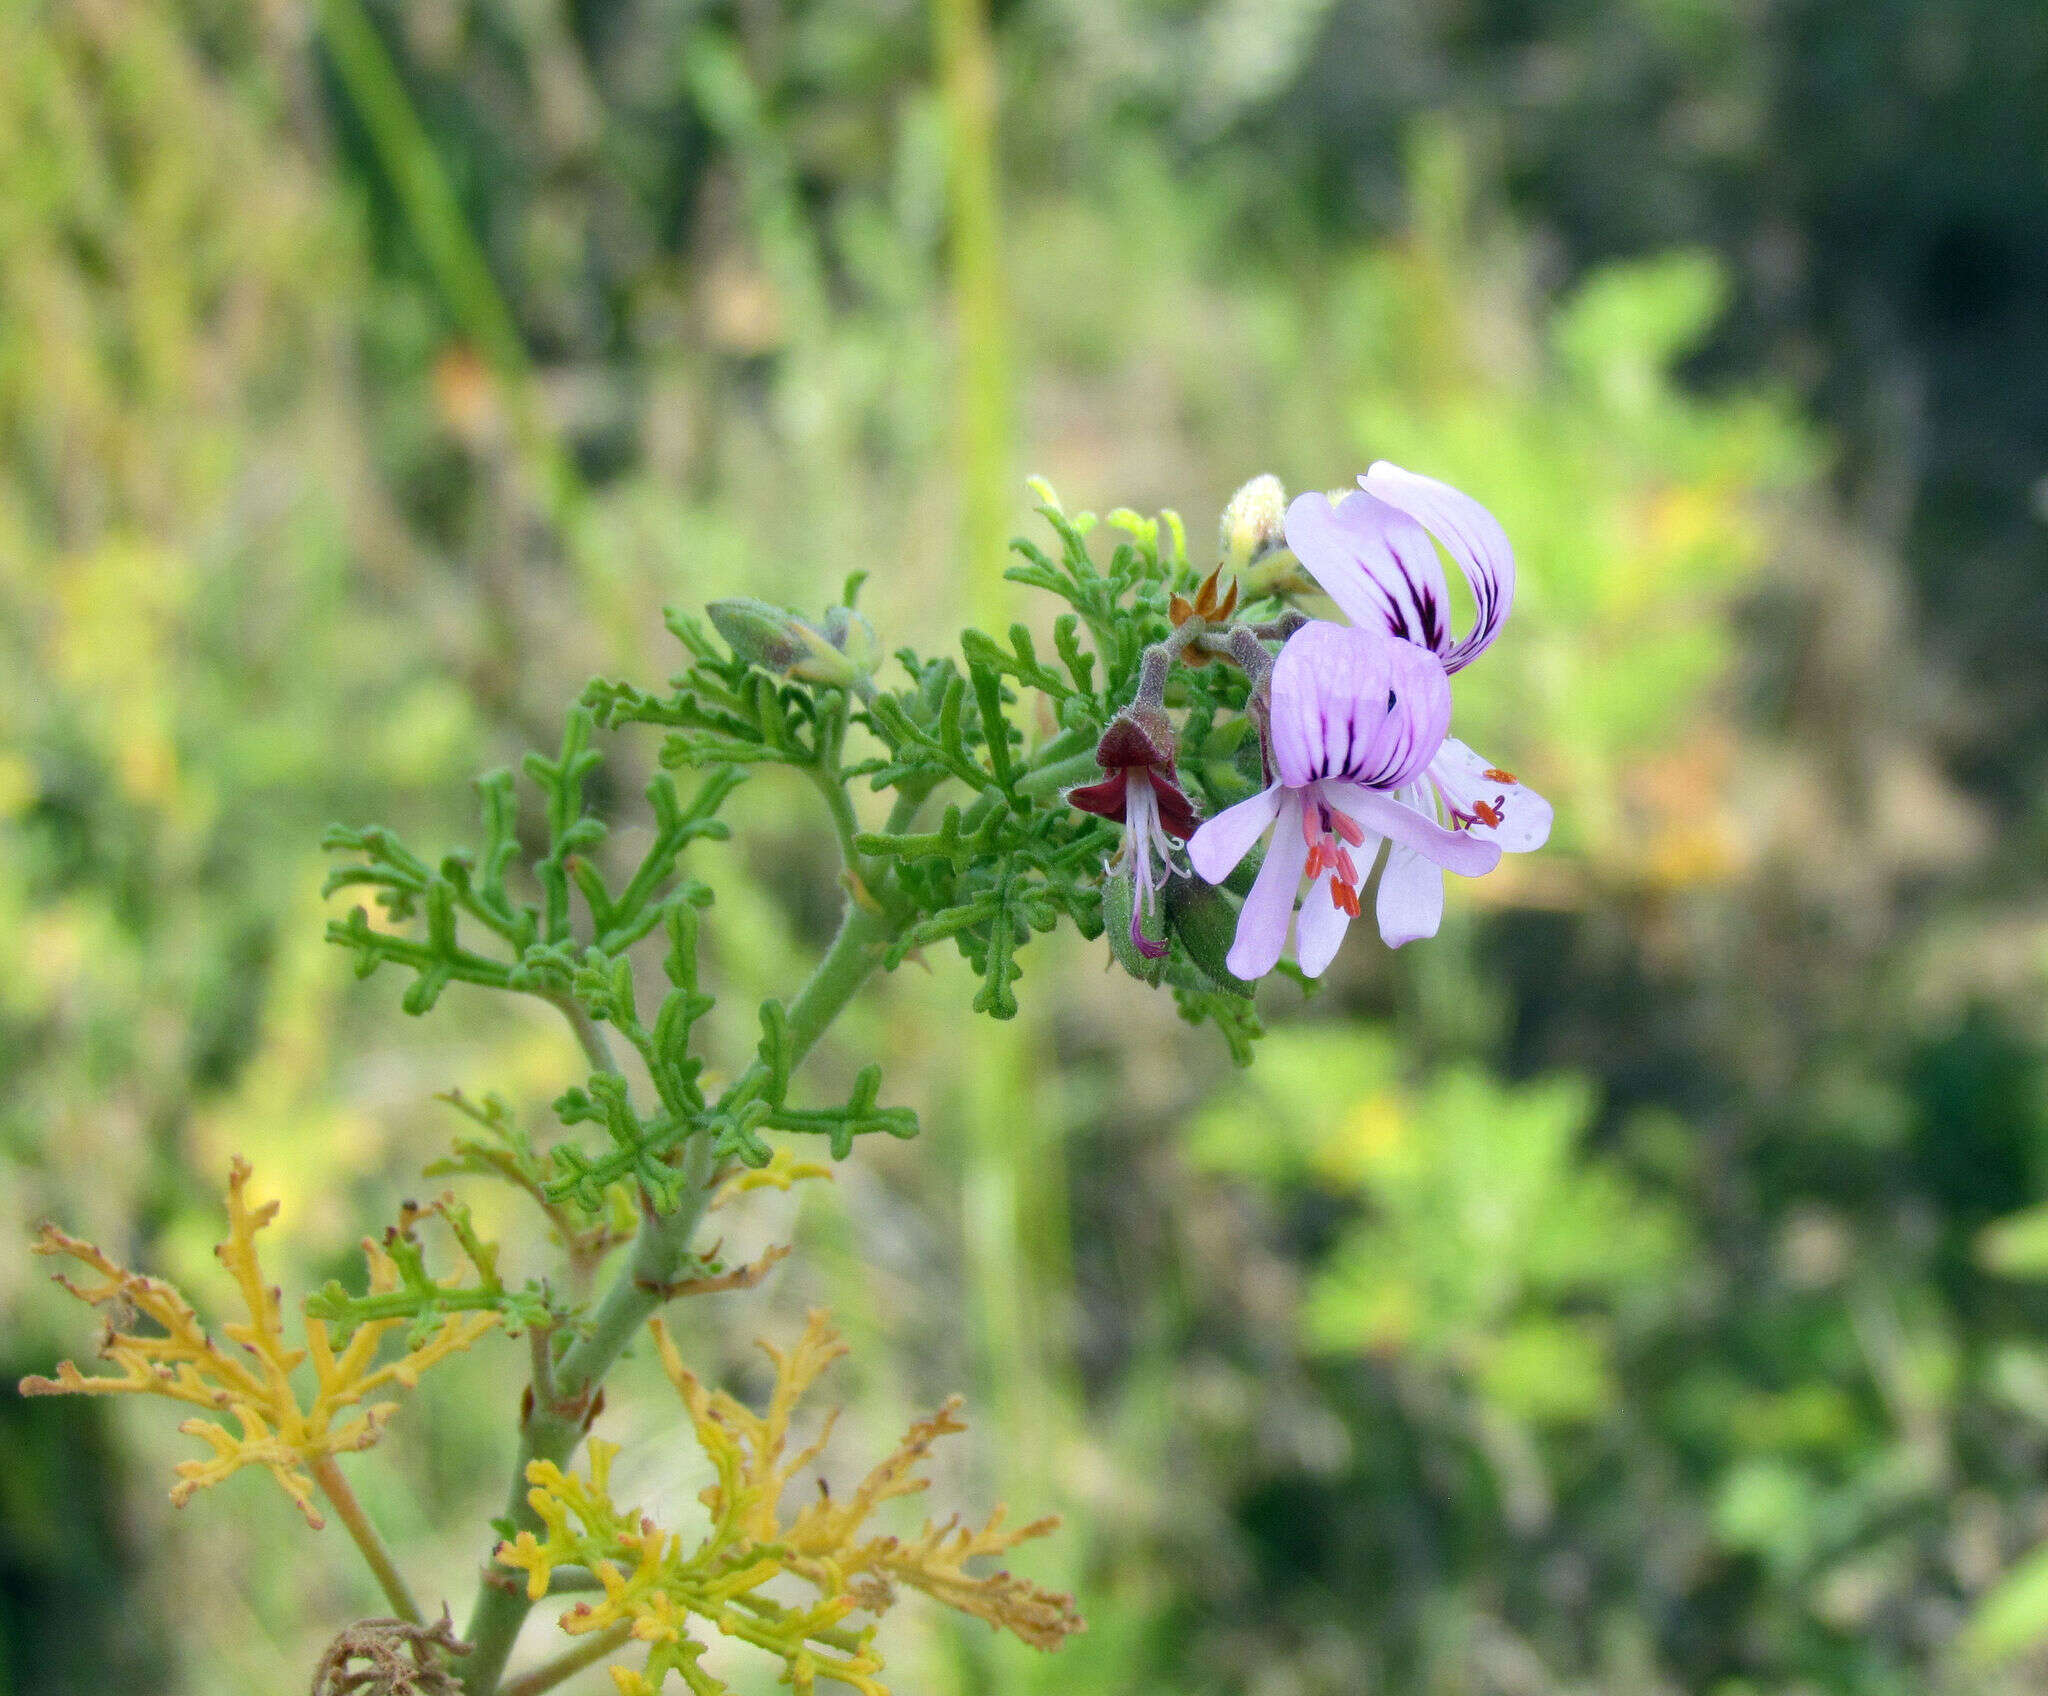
[1357, 719]
[1374, 552]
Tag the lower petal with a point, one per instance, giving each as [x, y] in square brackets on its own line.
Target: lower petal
[1320, 928]
[1224, 840]
[1411, 898]
[1262, 922]
[1469, 782]
[1455, 850]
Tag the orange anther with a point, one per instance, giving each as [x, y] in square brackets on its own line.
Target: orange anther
[1493, 774]
[1348, 828]
[1488, 813]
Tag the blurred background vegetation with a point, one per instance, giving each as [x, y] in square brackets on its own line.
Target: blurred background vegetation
[1634, 1291]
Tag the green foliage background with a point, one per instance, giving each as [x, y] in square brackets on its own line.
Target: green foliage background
[1596, 1299]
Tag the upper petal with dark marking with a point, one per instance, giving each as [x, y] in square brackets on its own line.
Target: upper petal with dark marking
[1376, 562]
[1470, 535]
[1351, 703]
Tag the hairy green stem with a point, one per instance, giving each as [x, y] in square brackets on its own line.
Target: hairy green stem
[552, 1431]
[844, 825]
[350, 1511]
[1075, 768]
[1159, 658]
[571, 1661]
[595, 1049]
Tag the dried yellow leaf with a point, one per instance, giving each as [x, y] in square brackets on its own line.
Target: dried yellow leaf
[271, 1429]
[650, 1582]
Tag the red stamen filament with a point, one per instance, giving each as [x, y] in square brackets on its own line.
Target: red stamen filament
[1324, 855]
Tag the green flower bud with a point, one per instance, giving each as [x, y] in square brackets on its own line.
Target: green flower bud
[1206, 924]
[763, 635]
[777, 640]
[1254, 523]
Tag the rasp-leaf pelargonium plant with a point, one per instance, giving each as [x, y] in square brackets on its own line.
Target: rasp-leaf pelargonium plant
[1114, 769]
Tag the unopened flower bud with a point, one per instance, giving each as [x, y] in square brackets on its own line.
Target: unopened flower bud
[1206, 922]
[779, 641]
[1254, 523]
[759, 633]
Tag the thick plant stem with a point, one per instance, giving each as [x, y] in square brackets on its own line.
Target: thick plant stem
[552, 1432]
[350, 1511]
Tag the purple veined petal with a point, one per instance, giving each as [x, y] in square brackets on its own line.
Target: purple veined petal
[1215, 849]
[1467, 782]
[1455, 850]
[1470, 534]
[1410, 905]
[1319, 928]
[1375, 561]
[1262, 922]
[1351, 702]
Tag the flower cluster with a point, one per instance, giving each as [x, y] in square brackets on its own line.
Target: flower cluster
[653, 1584]
[1355, 728]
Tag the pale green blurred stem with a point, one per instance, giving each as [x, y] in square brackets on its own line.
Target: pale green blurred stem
[967, 80]
[844, 825]
[1013, 1185]
[451, 251]
[463, 275]
[1279, 573]
[350, 1512]
[555, 1427]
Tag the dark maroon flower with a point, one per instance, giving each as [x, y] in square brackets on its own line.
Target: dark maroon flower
[1140, 793]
